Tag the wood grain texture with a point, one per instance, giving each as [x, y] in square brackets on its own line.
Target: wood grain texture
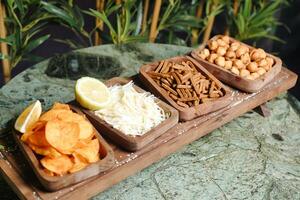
[130, 163]
[53, 183]
[186, 114]
[127, 142]
[234, 80]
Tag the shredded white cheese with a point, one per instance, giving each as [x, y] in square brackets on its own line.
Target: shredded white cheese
[131, 112]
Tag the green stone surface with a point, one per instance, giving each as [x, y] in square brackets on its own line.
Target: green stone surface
[251, 157]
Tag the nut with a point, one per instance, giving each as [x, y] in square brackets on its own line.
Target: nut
[246, 58]
[228, 64]
[206, 52]
[257, 54]
[201, 55]
[230, 54]
[249, 77]
[262, 63]
[244, 72]
[241, 50]
[235, 70]
[213, 45]
[270, 61]
[221, 51]
[212, 57]
[226, 39]
[255, 75]
[252, 67]
[234, 46]
[261, 71]
[220, 61]
[238, 64]
[221, 42]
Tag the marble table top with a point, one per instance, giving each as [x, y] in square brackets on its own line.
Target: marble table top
[251, 157]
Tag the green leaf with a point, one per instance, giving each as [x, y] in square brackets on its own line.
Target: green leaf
[35, 43]
[20, 7]
[5, 40]
[60, 13]
[2, 56]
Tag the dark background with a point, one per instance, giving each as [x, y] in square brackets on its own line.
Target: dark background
[288, 52]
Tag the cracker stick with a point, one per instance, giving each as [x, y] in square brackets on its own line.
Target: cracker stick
[155, 74]
[179, 67]
[169, 88]
[184, 86]
[163, 80]
[159, 67]
[186, 77]
[165, 67]
[182, 104]
[174, 97]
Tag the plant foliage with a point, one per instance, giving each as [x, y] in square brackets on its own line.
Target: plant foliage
[256, 20]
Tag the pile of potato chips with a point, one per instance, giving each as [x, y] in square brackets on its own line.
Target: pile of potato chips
[65, 139]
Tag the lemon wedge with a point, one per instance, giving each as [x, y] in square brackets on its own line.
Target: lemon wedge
[91, 93]
[28, 117]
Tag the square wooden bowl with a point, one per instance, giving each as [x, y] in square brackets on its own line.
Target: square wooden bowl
[186, 114]
[128, 142]
[234, 80]
[53, 183]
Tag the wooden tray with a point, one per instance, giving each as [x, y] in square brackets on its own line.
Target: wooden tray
[186, 114]
[128, 142]
[235, 80]
[20, 177]
[53, 183]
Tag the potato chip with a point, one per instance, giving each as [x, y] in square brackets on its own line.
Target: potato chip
[45, 151]
[62, 135]
[59, 165]
[26, 135]
[49, 173]
[79, 163]
[53, 114]
[60, 106]
[39, 125]
[86, 129]
[38, 139]
[90, 152]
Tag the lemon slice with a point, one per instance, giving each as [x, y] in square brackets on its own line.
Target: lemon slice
[28, 117]
[91, 93]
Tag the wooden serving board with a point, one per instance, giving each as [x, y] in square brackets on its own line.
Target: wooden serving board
[21, 178]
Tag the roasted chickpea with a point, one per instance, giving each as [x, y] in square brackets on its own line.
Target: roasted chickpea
[230, 54]
[241, 50]
[252, 67]
[220, 61]
[261, 71]
[201, 55]
[212, 57]
[270, 61]
[226, 39]
[257, 54]
[244, 72]
[235, 70]
[221, 51]
[255, 75]
[228, 64]
[234, 46]
[238, 64]
[213, 45]
[206, 52]
[245, 58]
[221, 42]
[249, 77]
